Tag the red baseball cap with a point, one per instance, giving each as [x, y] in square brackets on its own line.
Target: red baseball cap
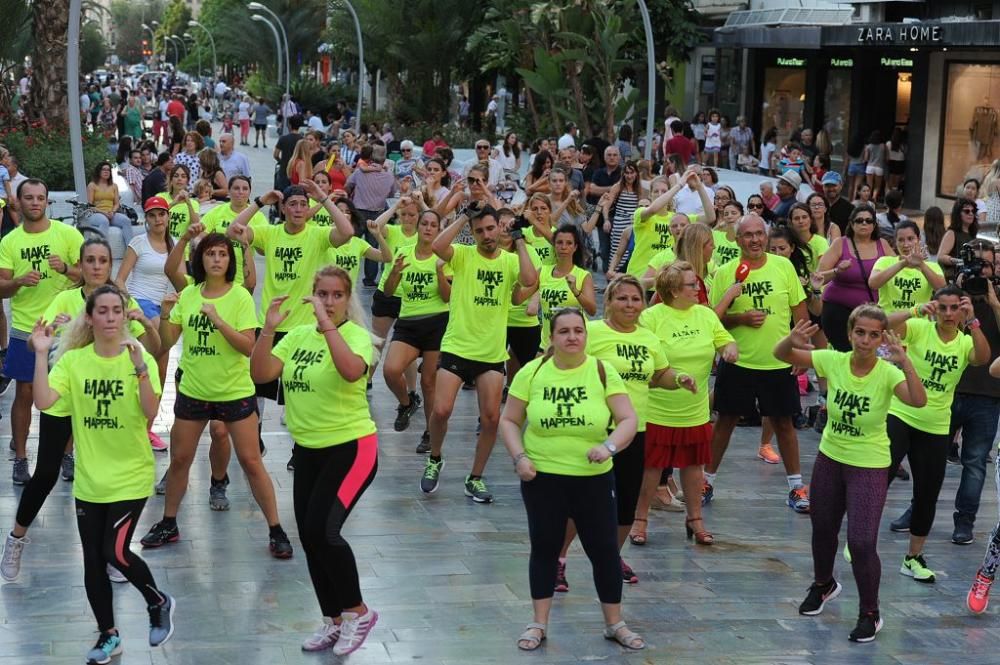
[155, 202]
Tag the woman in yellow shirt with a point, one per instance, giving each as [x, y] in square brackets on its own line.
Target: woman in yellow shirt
[566, 399]
[323, 367]
[218, 320]
[108, 384]
[102, 193]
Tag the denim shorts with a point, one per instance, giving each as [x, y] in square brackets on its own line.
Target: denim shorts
[19, 363]
[148, 307]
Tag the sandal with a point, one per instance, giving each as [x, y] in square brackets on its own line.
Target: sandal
[638, 535]
[701, 537]
[529, 640]
[621, 634]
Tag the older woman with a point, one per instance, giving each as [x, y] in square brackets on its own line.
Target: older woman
[555, 428]
[188, 156]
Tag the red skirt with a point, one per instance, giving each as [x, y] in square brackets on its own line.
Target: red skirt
[678, 447]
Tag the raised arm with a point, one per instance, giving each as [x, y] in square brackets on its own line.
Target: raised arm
[442, 244]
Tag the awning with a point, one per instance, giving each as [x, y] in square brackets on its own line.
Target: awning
[932, 34]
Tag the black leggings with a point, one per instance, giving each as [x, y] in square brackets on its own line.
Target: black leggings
[833, 320]
[928, 455]
[523, 343]
[629, 467]
[53, 435]
[550, 500]
[106, 533]
[328, 484]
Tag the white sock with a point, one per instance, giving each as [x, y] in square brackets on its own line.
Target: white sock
[794, 480]
[710, 478]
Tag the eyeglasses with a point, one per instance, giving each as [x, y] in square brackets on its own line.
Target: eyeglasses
[407, 150]
[863, 220]
[690, 285]
[817, 204]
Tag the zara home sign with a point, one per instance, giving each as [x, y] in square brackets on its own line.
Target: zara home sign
[907, 33]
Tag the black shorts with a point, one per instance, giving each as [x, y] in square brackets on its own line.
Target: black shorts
[523, 343]
[740, 391]
[188, 408]
[271, 389]
[383, 305]
[465, 369]
[260, 127]
[423, 334]
[897, 167]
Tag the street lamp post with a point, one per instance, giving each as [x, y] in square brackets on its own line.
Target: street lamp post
[215, 62]
[187, 35]
[152, 37]
[277, 42]
[651, 78]
[256, 6]
[73, 90]
[177, 40]
[361, 61]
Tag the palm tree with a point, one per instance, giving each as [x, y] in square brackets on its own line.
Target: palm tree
[48, 98]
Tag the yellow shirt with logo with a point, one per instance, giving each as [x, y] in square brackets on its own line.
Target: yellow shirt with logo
[22, 252]
[218, 219]
[652, 236]
[291, 262]
[635, 355]
[907, 288]
[418, 285]
[180, 217]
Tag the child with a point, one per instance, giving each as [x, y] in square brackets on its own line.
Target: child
[713, 137]
[745, 161]
[794, 162]
[820, 166]
[203, 192]
[227, 123]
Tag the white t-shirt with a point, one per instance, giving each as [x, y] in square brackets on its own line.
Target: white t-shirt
[688, 201]
[508, 162]
[316, 123]
[766, 150]
[147, 280]
[713, 135]
[244, 111]
[163, 111]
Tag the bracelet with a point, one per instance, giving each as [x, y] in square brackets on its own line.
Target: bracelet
[915, 312]
[972, 324]
[257, 202]
[326, 330]
[324, 199]
[141, 375]
[520, 456]
[677, 378]
[141, 369]
[264, 334]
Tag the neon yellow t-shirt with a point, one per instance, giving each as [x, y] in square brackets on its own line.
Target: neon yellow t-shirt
[349, 256]
[636, 356]
[856, 406]
[725, 249]
[218, 219]
[567, 414]
[213, 370]
[290, 263]
[659, 260]
[773, 288]
[546, 252]
[518, 316]
[72, 302]
[21, 252]
[690, 339]
[939, 365]
[554, 293]
[397, 239]
[907, 288]
[418, 286]
[652, 236]
[322, 216]
[180, 218]
[480, 299]
[818, 244]
[322, 409]
[113, 459]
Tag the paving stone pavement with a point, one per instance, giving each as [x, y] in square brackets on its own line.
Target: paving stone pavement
[449, 577]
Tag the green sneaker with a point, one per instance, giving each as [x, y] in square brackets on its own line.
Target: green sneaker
[432, 472]
[847, 553]
[476, 488]
[916, 567]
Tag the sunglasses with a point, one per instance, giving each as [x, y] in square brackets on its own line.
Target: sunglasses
[863, 220]
[477, 181]
[971, 211]
[482, 147]
[407, 150]
[755, 206]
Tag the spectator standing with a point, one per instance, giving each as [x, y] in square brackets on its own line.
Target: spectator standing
[368, 191]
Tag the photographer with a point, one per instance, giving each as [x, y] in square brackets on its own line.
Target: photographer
[976, 407]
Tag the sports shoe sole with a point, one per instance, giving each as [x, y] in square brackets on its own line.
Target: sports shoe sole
[819, 610]
[899, 528]
[478, 499]
[959, 541]
[903, 570]
[170, 633]
[865, 640]
[768, 460]
[172, 539]
[371, 626]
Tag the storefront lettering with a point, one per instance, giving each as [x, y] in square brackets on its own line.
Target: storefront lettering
[790, 62]
[895, 62]
[900, 33]
[841, 62]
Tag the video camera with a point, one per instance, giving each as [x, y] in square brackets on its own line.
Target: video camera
[970, 267]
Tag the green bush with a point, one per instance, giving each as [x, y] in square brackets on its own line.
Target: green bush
[44, 152]
[419, 132]
[309, 93]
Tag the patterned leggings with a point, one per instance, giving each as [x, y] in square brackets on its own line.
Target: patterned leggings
[992, 558]
[835, 489]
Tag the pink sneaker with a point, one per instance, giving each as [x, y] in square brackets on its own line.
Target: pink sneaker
[156, 442]
[353, 631]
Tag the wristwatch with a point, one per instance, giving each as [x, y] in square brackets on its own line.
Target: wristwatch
[257, 202]
[972, 324]
[611, 447]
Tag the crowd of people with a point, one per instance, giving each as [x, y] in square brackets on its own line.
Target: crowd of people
[715, 312]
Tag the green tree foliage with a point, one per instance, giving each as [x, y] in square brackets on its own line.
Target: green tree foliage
[174, 22]
[128, 17]
[93, 51]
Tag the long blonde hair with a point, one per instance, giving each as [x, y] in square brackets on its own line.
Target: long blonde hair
[355, 313]
[574, 208]
[991, 182]
[690, 247]
[79, 333]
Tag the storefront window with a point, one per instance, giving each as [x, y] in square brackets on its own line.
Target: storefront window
[837, 105]
[784, 101]
[969, 134]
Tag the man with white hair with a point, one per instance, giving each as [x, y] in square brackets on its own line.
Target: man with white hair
[232, 162]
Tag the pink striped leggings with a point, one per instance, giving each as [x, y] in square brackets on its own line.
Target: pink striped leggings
[328, 483]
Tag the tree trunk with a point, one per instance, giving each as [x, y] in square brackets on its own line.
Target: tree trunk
[48, 98]
[582, 117]
[535, 118]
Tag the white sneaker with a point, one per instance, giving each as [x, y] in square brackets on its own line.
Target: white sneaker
[10, 564]
[353, 631]
[115, 575]
[324, 638]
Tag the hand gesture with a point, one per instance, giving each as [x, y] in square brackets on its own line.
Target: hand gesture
[754, 318]
[312, 189]
[965, 306]
[991, 295]
[404, 186]
[894, 346]
[730, 352]
[167, 304]
[611, 274]
[571, 282]
[208, 309]
[802, 333]
[136, 314]
[735, 290]
[607, 227]
[843, 265]
[374, 228]
[574, 194]
[605, 201]
[525, 469]
[816, 281]
[688, 383]
[274, 317]
[134, 352]
[61, 320]
[399, 265]
[274, 196]
[181, 197]
[42, 337]
[928, 309]
[57, 264]
[914, 258]
[319, 308]
[598, 454]
[193, 231]
[30, 278]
